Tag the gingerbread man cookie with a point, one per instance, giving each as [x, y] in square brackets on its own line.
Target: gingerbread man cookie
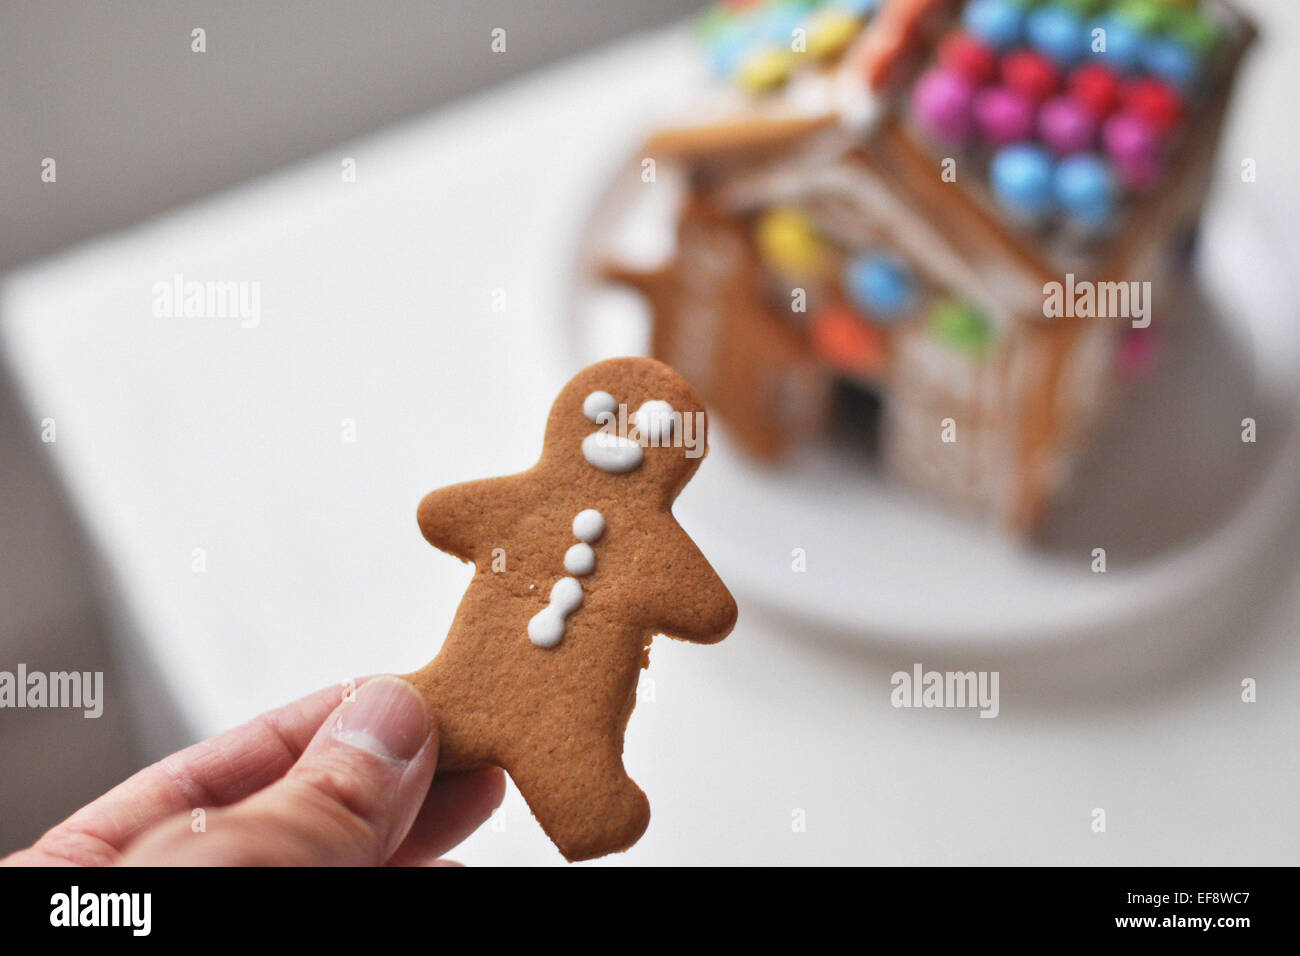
[578, 563]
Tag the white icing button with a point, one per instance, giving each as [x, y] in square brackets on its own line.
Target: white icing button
[654, 420]
[546, 629]
[580, 559]
[612, 453]
[588, 525]
[598, 402]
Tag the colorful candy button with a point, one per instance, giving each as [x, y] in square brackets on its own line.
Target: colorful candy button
[1155, 102]
[790, 243]
[830, 32]
[778, 21]
[1097, 87]
[1172, 61]
[1057, 32]
[1194, 28]
[960, 326]
[1033, 74]
[727, 48]
[997, 22]
[713, 21]
[1004, 115]
[765, 69]
[1134, 148]
[1066, 125]
[879, 285]
[966, 56]
[1138, 353]
[1116, 43]
[862, 9]
[1086, 189]
[849, 343]
[943, 103]
[1021, 178]
[1146, 15]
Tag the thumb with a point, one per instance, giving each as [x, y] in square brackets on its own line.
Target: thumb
[348, 801]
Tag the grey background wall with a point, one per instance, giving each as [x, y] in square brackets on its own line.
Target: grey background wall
[137, 122]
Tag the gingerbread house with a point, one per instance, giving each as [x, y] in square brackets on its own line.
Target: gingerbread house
[958, 222]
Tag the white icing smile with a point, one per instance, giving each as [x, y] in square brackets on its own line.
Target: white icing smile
[612, 453]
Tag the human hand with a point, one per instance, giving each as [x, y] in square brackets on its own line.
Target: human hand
[317, 782]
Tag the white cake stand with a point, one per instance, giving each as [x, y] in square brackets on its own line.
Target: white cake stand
[1184, 508]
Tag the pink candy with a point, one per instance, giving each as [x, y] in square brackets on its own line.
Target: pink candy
[1134, 147]
[1066, 125]
[1004, 116]
[943, 104]
[1138, 352]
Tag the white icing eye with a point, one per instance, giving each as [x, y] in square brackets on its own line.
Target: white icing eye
[588, 525]
[596, 403]
[654, 420]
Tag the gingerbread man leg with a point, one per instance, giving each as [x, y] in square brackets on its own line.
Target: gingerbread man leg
[588, 814]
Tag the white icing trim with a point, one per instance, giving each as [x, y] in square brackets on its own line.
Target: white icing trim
[546, 629]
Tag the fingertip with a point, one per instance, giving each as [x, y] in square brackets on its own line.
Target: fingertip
[493, 783]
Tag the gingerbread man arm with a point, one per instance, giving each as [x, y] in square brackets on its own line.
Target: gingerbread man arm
[463, 519]
[693, 603]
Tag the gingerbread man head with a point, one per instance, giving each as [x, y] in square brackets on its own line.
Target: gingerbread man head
[628, 424]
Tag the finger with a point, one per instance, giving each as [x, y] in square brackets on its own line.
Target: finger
[210, 773]
[350, 800]
[456, 806]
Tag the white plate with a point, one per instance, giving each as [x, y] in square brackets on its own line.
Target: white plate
[1170, 491]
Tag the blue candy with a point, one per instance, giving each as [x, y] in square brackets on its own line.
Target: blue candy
[1171, 61]
[1059, 33]
[1022, 179]
[1124, 43]
[1085, 187]
[859, 8]
[878, 285]
[777, 25]
[997, 22]
[728, 49]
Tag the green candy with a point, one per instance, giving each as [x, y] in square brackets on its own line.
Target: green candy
[1084, 8]
[1146, 15]
[960, 326]
[713, 22]
[1195, 29]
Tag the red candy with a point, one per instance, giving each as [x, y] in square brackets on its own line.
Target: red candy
[967, 56]
[1156, 103]
[845, 340]
[1032, 74]
[1097, 88]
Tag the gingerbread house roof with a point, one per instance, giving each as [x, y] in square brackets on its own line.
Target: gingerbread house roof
[906, 86]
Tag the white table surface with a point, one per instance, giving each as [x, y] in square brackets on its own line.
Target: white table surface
[176, 434]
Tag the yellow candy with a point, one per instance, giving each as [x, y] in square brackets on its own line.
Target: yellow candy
[830, 33]
[764, 70]
[789, 243]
